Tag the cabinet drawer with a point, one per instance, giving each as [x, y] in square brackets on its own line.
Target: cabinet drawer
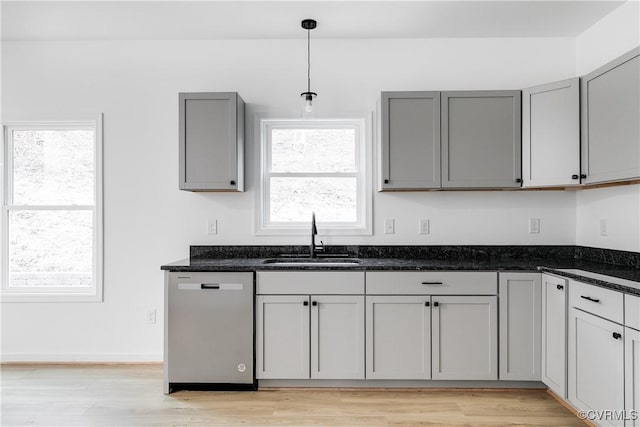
[310, 282]
[596, 300]
[432, 283]
[632, 311]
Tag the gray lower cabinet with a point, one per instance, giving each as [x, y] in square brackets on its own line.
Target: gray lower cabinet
[310, 324]
[520, 297]
[409, 146]
[632, 377]
[611, 120]
[554, 334]
[596, 365]
[398, 329]
[551, 134]
[481, 139]
[464, 338]
[596, 376]
[282, 336]
[310, 336]
[211, 136]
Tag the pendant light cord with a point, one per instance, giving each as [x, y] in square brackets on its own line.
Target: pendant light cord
[308, 61]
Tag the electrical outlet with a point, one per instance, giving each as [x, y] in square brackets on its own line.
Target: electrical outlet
[604, 227]
[151, 316]
[534, 225]
[212, 226]
[389, 226]
[423, 226]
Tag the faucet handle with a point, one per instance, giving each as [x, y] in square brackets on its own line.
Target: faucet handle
[320, 247]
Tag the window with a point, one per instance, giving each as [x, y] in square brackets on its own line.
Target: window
[51, 212]
[315, 165]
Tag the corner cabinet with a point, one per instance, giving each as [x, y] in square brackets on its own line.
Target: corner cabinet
[211, 135]
[409, 140]
[611, 120]
[551, 134]
[481, 139]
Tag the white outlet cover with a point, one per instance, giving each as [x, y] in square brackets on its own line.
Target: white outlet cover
[389, 226]
[424, 226]
[212, 226]
[534, 225]
[604, 227]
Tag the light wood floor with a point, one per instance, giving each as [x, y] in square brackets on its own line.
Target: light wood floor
[131, 395]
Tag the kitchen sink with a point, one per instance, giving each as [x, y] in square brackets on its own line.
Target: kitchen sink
[312, 261]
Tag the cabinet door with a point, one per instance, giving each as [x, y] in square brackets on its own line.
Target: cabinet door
[282, 349]
[398, 337]
[596, 364]
[337, 337]
[481, 135]
[632, 376]
[410, 140]
[551, 134]
[520, 326]
[211, 135]
[554, 334]
[611, 120]
[464, 338]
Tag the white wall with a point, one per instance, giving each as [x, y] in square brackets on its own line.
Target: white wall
[148, 221]
[617, 33]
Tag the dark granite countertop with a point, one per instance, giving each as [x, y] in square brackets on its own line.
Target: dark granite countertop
[554, 259]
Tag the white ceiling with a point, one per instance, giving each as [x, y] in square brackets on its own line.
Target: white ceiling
[201, 20]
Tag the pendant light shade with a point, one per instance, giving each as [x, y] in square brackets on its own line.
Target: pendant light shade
[308, 24]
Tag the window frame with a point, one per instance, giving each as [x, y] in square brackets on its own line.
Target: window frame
[361, 123]
[50, 293]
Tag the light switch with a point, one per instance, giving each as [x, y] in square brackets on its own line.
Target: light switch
[389, 226]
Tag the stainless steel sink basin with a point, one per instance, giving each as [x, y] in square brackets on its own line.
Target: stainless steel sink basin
[287, 262]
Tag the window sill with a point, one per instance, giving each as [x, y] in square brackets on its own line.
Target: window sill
[22, 297]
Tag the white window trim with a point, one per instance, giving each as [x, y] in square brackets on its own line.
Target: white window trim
[363, 134]
[54, 294]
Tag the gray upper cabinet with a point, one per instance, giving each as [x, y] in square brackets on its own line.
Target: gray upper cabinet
[410, 140]
[551, 134]
[211, 138]
[481, 139]
[611, 120]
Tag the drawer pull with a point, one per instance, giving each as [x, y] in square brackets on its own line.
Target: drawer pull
[589, 298]
[210, 286]
[617, 335]
[432, 283]
[560, 287]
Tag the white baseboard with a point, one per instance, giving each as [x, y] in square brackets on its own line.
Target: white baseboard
[79, 358]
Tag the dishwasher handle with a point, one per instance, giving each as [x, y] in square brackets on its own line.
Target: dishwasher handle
[210, 286]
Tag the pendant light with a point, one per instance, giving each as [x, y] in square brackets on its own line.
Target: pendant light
[308, 24]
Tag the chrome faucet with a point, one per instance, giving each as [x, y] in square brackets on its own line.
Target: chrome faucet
[314, 231]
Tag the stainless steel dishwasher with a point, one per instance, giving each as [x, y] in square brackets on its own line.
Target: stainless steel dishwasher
[209, 331]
